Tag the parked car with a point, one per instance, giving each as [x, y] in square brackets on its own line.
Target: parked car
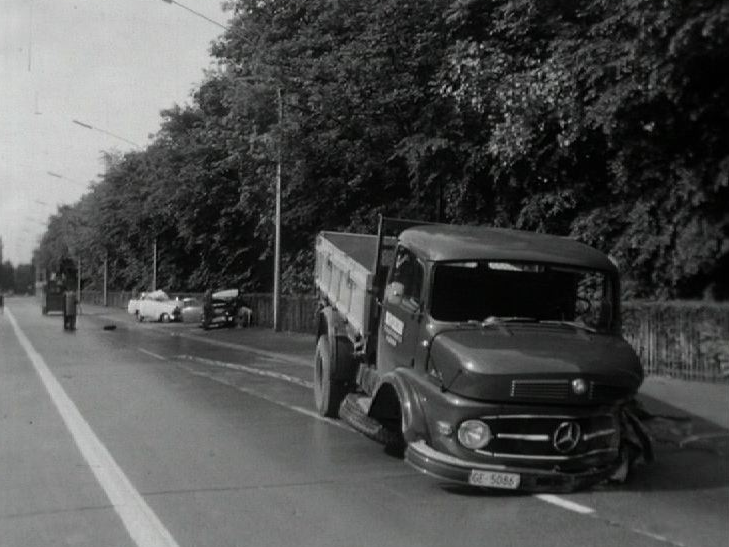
[225, 308]
[191, 310]
[133, 305]
[158, 306]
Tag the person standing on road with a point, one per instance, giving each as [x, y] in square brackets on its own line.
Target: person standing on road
[207, 315]
[69, 310]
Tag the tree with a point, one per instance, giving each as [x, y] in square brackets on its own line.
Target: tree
[603, 121]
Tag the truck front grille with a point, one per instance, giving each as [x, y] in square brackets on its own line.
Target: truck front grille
[532, 437]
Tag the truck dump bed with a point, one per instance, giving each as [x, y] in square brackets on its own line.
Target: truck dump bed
[344, 276]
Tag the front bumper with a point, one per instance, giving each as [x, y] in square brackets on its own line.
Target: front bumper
[444, 466]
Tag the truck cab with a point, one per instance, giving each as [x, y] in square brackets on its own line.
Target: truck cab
[494, 355]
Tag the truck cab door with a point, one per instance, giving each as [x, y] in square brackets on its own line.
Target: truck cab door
[401, 319]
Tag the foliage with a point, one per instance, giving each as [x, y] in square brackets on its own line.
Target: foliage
[604, 121]
[17, 279]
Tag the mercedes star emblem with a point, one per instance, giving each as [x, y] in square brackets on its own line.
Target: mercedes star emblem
[566, 437]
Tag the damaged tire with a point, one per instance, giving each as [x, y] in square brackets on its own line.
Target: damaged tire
[355, 416]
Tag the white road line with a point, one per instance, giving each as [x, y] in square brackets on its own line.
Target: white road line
[252, 370]
[145, 529]
[291, 359]
[286, 358]
[259, 395]
[565, 504]
[152, 354]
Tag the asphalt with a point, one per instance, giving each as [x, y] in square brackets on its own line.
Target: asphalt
[222, 457]
[686, 411]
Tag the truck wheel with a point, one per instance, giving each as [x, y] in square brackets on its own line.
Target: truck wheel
[140, 317]
[328, 393]
[165, 317]
[386, 434]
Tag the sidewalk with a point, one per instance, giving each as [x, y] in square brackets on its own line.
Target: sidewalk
[707, 401]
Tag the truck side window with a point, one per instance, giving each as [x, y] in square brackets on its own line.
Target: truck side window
[408, 271]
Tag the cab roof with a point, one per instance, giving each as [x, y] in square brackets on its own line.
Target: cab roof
[441, 242]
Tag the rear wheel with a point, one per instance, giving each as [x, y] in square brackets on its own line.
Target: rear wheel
[328, 392]
[165, 317]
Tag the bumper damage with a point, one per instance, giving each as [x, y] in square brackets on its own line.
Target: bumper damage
[444, 466]
[635, 448]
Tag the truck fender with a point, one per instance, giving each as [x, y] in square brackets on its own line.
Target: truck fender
[397, 388]
[341, 349]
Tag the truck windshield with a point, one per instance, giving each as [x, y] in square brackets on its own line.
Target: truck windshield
[486, 291]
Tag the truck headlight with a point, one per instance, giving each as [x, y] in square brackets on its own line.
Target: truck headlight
[474, 434]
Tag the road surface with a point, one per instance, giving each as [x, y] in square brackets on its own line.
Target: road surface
[164, 435]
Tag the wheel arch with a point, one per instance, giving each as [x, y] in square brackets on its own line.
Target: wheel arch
[397, 397]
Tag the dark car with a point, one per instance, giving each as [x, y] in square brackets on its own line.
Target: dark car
[191, 310]
[225, 308]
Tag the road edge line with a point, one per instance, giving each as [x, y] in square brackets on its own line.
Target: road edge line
[140, 521]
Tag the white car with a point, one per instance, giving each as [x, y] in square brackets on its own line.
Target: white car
[133, 305]
[156, 306]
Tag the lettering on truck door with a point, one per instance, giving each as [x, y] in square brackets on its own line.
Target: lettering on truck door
[402, 312]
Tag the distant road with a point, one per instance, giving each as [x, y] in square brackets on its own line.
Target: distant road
[156, 435]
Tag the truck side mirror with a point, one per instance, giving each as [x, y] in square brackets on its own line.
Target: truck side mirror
[394, 292]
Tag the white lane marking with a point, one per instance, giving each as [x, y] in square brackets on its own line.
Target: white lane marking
[286, 358]
[259, 395]
[152, 354]
[145, 529]
[252, 370]
[565, 504]
[271, 354]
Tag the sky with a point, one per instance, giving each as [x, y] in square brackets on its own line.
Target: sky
[110, 64]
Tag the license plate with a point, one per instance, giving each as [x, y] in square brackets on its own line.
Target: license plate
[493, 479]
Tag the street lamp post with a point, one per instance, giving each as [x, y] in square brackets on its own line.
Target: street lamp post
[279, 161]
[277, 237]
[277, 206]
[154, 265]
[106, 279]
[106, 256]
[78, 283]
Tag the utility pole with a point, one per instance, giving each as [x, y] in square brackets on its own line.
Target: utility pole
[78, 285]
[154, 265]
[277, 242]
[277, 237]
[106, 271]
